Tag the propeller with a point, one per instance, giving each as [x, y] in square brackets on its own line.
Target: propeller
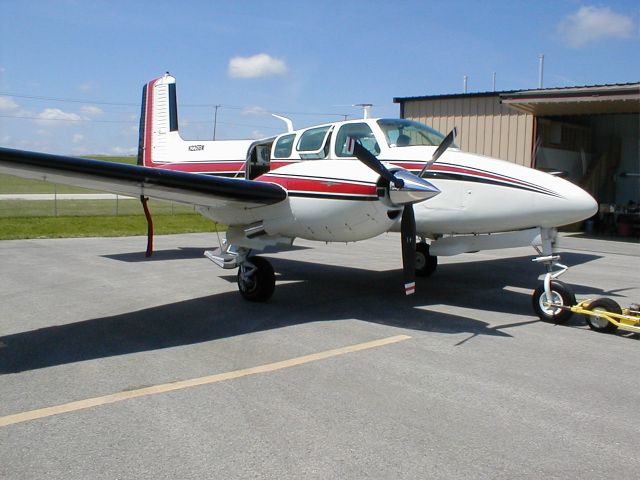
[446, 143]
[405, 189]
[408, 237]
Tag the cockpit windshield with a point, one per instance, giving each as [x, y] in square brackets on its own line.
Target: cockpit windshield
[407, 133]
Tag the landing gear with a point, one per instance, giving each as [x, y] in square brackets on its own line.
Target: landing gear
[256, 279]
[425, 263]
[552, 300]
[548, 306]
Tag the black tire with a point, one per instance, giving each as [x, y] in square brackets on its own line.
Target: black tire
[425, 263]
[262, 284]
[600, 324]
[562, 295]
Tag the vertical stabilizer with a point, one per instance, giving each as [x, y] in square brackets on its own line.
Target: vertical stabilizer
[158, 121]
[160, 144]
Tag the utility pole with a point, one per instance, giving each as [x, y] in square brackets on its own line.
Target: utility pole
[215, 120]
[541, 70]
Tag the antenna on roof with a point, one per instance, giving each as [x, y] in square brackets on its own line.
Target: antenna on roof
[285, 120]
[366, 109]
[541, 70]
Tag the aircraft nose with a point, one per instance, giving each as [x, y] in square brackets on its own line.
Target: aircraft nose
[579, 204]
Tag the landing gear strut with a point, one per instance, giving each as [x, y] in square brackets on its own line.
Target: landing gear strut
[552, 294]
[256, 278]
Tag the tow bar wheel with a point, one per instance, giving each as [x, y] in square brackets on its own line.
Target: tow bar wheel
[548, 309]
[600, 323]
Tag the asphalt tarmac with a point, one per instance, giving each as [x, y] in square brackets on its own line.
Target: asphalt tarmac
[113, 366]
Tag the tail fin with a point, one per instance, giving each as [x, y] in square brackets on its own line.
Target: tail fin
[158, 121]
[160, 144]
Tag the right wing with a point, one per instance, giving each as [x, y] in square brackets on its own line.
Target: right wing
[134, 180]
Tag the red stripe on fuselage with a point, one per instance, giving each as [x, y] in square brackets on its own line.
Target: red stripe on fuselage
[466, 171]
[319, 185]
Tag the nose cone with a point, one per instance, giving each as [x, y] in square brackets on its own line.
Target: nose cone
[574, 205]
[414, 190]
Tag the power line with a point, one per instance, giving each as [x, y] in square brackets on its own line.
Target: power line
[186, 105]
[66, 100]
[132, 122]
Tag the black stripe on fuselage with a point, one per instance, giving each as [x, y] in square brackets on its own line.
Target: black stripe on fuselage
[462, 177]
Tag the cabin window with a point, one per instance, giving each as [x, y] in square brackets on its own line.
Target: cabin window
[313, 143]
[312, 139]
[359, 131]
[284, 146]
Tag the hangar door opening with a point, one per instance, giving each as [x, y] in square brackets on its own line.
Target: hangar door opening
[601, 153]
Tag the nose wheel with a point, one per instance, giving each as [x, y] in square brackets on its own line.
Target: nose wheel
[256, 279]
[548, 303]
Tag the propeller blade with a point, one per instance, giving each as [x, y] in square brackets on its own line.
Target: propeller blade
[446, 143]
[408, 236]
[370, 160]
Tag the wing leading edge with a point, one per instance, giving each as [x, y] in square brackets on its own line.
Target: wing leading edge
[135, 180]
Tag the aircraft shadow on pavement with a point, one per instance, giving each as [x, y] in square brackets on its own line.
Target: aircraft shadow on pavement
[313, 293]
[180, 253]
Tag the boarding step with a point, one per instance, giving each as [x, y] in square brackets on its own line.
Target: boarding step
[221, 258]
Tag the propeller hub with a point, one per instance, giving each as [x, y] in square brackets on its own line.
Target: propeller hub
[414, 189]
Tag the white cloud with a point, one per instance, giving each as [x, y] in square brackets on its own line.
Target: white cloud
[91, 110]
[77, 138]
[260, 65]
[124, 150]
[55, 114]
[87, 86]
[255, 110]
[590, 24]
[7, 103]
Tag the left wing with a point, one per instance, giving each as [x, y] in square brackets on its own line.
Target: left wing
[135, 180]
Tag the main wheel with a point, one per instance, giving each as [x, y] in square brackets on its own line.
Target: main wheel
[598, 323]
[561, 295]
[425, 263]
[260, 286]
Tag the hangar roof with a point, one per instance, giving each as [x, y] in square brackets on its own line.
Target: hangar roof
[587, 100]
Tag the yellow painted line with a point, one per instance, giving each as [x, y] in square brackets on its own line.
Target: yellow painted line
[194, 382]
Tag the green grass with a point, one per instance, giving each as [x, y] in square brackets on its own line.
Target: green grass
[84, 208]
[21, 219]
[101, 226]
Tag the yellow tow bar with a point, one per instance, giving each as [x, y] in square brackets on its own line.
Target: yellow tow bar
[605, 315]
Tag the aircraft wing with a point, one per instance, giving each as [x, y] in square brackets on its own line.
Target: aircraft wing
[134, 180]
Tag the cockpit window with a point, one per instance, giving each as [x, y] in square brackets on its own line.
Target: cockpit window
[284, 146]
[359, 131]
[407, 133]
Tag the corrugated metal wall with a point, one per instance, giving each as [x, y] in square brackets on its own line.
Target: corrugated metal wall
[484, 125]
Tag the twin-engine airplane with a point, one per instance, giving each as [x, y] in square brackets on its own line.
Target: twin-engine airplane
[337, 182]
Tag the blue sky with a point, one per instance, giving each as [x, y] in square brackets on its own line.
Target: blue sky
[71, 71]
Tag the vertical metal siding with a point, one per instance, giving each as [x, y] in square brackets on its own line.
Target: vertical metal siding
[485, 126]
